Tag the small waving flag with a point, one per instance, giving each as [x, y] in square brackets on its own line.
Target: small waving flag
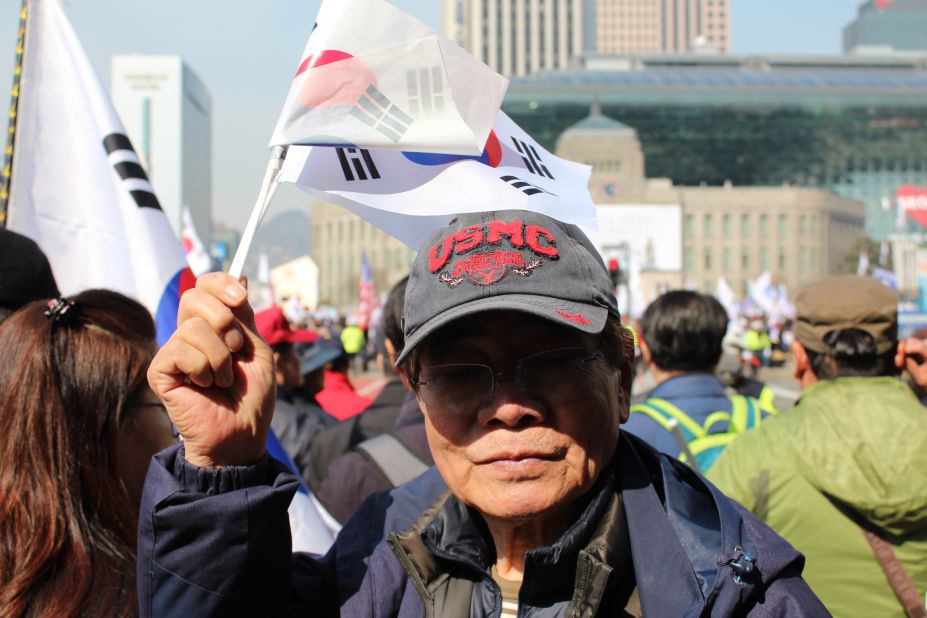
[375, 77]
[367, 293]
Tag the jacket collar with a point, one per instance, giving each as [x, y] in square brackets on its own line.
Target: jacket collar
[597, 541]
[689, 385]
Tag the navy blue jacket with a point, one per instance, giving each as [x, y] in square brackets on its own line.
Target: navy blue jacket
[216, 543]
[696, 394]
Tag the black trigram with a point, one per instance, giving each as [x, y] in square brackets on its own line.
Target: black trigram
[357, 164]
[532, 159]
[381, 114]
[124, 160]
[526, 187]
[426, 91]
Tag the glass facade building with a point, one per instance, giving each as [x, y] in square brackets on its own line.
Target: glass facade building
[898, 24]
[856, 126]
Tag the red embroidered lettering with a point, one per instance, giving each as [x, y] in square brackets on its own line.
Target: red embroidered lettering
[577, 318]
[533, 234]
[469, 237]
[513, 230]
[435, 261]
[486, 268]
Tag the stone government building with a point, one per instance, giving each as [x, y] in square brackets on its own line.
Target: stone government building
[797, 234]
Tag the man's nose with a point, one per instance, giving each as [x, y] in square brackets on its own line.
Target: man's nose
[511, 404]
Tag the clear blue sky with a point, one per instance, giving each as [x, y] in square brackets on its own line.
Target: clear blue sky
[246, 50]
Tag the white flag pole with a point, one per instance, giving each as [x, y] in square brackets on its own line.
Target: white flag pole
[268, 190]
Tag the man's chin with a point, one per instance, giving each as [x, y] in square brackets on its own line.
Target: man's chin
[520, 497]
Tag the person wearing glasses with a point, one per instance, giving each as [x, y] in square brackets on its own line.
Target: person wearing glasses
[538, 505]
[79, 428]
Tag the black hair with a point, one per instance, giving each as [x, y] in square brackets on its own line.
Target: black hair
[392, 314]
[852, 352]
[684, 331]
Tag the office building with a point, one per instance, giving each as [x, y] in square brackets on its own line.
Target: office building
[887, 25]
[518, 37]
[521, 37]
[166, 110]
[662, 26]
[853, 125]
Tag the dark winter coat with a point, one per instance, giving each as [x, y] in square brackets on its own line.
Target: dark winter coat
[214, 542]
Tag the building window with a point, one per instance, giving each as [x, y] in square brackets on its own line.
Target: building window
[781, 258]
[328, 232]
[781, 226]
[689, 259]
[764, 226]
[801, 225]
[726, 259]
[802, 260]
[690, 226]
[726, 226]
[745, 259]
[745, 225]
[340, 230]
[707, 259]
[764, 259]
[708, 224]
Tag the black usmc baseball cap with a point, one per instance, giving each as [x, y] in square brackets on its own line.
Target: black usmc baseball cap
[509, 259]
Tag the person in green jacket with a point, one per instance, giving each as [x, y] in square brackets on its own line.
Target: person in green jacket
[851, 455]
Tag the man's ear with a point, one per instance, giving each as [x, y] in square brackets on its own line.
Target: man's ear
[278, 374]
[392, 355]
[900, 355]
[645, 350]
[801, 360]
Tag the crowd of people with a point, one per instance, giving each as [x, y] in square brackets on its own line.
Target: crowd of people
[504, 468]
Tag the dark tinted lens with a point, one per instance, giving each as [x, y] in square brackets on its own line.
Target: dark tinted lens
[455, 386]
[556, 372]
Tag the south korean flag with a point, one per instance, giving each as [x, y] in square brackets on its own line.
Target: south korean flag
[409, 194]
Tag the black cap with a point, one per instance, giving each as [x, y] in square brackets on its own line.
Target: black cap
[512, 259]
[25, 274]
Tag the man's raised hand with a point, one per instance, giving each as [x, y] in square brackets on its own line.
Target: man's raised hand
[215, 375]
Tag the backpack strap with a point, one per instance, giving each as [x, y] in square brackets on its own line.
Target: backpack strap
[662, 411]
[669, 417]
[899, 579]
[397, 463]
[740, 414]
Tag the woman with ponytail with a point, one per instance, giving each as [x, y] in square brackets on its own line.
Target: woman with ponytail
[78, 425]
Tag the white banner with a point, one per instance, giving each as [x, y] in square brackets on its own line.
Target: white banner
[77, 186]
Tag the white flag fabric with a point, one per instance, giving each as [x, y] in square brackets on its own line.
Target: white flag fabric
[77, 188]
[410, 194]
[375, 77]
[727, 298]
[196, 254]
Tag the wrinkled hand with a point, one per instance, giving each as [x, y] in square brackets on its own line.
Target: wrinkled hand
[215, 375]
[912, 358]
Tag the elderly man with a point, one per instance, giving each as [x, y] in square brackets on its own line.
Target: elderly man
[843, 475]
[514, 346]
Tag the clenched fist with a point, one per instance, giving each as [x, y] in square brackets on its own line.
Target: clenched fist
[215, 375]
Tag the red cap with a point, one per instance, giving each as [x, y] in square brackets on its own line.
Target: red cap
[275, 329]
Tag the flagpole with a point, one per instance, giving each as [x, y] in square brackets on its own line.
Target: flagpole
[7, 172]
[268, 190]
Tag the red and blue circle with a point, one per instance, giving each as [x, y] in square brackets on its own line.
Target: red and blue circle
[491, 155]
